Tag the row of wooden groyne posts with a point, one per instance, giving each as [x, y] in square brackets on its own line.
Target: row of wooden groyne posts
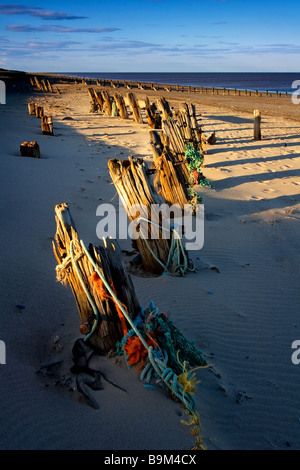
[111, 314]
[171, 177]
[158, 87]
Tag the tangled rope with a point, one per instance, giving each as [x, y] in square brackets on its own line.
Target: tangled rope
[178, 262]
[157, 358]
[194, 160]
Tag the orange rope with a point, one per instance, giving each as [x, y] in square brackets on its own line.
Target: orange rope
[99, 286]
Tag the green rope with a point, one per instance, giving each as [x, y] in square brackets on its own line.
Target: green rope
[176, 252]
[194, 161]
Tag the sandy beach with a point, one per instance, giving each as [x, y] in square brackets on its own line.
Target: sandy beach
[241, 306]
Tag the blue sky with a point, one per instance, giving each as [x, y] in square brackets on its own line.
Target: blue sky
[150, 36]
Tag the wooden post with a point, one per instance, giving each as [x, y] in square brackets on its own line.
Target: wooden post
[165, 108]
[172, 178]
[257, 121]
[120, 103]
[107, 325]
[39, 86]
[31, 108]
[154, 119]
[96, 101]
[39, 111]
[134, 188]
[30, 149]
[99, 100]
[47, 125]
[107, 102]
[136, 112]
[50, 89]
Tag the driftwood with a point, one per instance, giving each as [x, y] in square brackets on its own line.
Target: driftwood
[134, 187]
[102, 322]
[47, 125]
[30, 149]
[135, 109]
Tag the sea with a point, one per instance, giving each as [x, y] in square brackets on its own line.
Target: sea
[272, 82]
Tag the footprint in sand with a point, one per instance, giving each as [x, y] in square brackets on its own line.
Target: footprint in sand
[268, 190]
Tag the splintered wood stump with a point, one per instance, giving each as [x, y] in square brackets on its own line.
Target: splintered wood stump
[31, 108]
[91, 95]
[108, 325]
[154, 119]
[107, 102]
[44, 86]
[37, 83]
[135, 109]
[134, 188]
[47, 125]
[49, 86]
[174, 136]
[172, 176]
[121, 106]
[99, 100]
[165, 108]
[257, 122]
[39, 111]
[30, 149]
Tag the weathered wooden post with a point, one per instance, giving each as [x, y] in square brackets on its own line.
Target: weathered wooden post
[173, 185]
[47, 125]
[31, 108]
[49, 86]
[154, 119]
[30, 149]
[99, 100]
[141, 203]
[120, 103]
[257, 122]
[135, 109]
[164, 108]
[39, 111]
[93, 273]
[107, 102]
[37, 83]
